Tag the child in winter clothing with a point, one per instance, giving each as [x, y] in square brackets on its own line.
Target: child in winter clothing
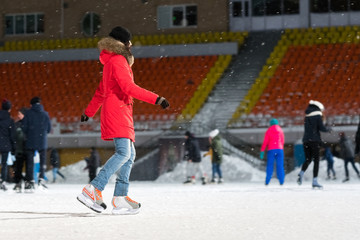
[216, 155]
[330, 162]
[193, 158]
[274, 141]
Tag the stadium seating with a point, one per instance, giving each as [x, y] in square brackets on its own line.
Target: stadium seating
[320, 64]
[66, 87]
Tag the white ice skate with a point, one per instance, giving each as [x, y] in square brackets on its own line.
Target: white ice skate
[92, 198]
[125, 206]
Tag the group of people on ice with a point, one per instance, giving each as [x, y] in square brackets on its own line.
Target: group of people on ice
[312, 144]
[273, 145]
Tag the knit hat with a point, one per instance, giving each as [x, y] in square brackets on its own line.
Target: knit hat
[121, 34]
[318, 104]
[35, 100]
[214, 133]
[274, 121]
[6, 105]
[188, 134]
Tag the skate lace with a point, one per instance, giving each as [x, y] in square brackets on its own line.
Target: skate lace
[98, 194]
[130, 200]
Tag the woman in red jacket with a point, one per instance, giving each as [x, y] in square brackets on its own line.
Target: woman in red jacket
[115, 95]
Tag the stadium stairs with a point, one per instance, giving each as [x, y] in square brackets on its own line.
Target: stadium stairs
[236, 81]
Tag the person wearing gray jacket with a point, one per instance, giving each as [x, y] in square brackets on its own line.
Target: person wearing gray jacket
[348, 154]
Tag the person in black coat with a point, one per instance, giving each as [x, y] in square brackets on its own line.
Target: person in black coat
[357, 140]
[193, 158]
[20, 154]
[36, 126]
[92, 163]
[7, 139]
[313, 125]
[348, 154]
[55, 163]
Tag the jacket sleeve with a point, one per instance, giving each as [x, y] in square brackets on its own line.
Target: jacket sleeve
[12, 134]
[265, 142]
[49, 123]
[96, 101]
[121, 70]
[321, 125]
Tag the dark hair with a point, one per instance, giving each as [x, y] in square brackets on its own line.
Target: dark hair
[35, 100]
[23, 110]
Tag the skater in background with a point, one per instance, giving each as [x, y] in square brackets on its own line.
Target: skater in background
[36, 126]
[216, 155]
[274, 142]
[330, 163]
[313, 124]
[7, 140]
[193, 158]
[348, 154]
[357, 140]
[115, 97]
[55, 164]
[92, 163]
[20, 154]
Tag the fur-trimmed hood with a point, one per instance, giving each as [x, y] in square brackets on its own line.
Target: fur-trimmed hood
[111, 45]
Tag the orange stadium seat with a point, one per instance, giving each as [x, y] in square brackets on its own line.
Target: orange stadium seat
[66, 87]
[326, 72]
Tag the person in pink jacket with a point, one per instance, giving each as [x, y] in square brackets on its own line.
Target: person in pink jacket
[115, 95]
[274, 142]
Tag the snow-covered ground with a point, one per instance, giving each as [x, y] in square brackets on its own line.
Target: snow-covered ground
[241, 208]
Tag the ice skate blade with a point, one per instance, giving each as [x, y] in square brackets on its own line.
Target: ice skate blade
[42, 188]
[318, 187]
[90, 204]
[125, 211]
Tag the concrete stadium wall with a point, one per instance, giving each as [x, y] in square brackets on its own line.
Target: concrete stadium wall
[226, 48]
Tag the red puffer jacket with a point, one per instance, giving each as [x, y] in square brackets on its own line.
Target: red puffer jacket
[116, 91]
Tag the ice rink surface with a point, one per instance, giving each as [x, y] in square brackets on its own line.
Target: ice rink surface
[241, 208]
[175, 211]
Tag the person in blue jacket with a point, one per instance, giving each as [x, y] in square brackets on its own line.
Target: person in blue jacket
[36, 126]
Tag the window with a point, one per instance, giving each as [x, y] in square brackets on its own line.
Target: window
[91, 24]
[275, 7]
[339, 5]
[19, 24]
[324, 6]
[291, 7]
[355, 5]
[177, 16]
[191, 15]
[236, 9]
[258, 7]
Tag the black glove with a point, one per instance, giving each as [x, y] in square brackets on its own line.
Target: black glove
[84, 118]
[162, 102]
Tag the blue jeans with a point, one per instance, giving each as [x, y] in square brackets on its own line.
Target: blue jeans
[272, 156]
[216, 170]
[120, 163]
